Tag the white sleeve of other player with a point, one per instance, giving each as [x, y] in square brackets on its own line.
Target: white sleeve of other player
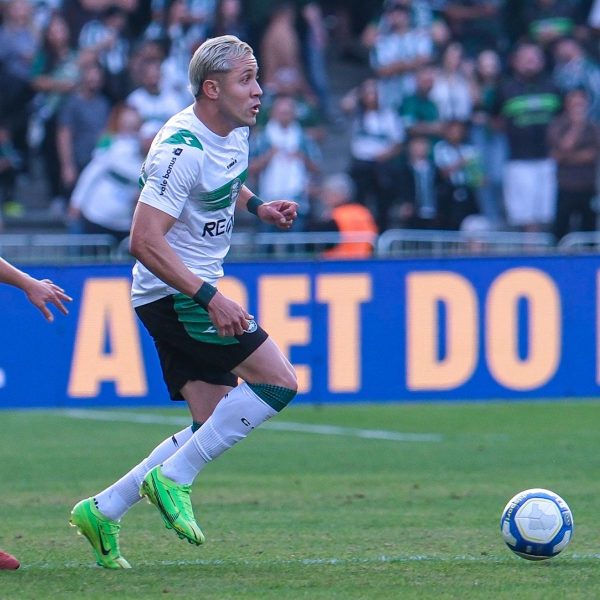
[170, 173]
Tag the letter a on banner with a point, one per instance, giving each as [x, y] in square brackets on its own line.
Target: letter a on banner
[107, 344]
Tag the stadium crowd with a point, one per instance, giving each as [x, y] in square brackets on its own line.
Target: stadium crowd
[474, 114]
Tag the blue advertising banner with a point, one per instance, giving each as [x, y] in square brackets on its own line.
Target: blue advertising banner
[397, 330]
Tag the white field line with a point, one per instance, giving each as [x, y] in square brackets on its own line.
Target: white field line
[311, 562]
[372, 434]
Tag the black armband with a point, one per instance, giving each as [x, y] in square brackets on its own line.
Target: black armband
[253, 204]
[204, 295]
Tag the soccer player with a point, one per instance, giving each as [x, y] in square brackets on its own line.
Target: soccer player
[40, 293]
[193, 179]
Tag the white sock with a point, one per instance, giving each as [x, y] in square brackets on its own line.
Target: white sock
[118, 498]
[236, 415]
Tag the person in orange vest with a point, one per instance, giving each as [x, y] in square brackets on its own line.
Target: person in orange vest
[351, 219]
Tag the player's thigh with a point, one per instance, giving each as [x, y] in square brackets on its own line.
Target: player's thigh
[267, 364]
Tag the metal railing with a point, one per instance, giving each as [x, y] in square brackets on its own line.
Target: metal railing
[50, 248]
[59, 248]
[417, 242]
[580, 241]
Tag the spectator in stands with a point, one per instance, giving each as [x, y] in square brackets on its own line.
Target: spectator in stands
[341, 213]
[573, 68]
[375, 145]
[548, 21]
[81, 120]
[417, 206]
[150, 100]
[284, 159]
[55, 76]
[397, 53]
[229, 20]
[418, 112]
[488, 139]
[18, 46]
[451, 90]
[476, 23]
[145, 51]
[106, 36]
[288, 82]
[181, 39]
[280, 46]
[575, 146]
[104, 197]
[10, 164]
[460, 174]
[315, 41]
[527, 102]
[79, 12]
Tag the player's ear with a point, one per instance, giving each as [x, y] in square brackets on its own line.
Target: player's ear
[210, 88]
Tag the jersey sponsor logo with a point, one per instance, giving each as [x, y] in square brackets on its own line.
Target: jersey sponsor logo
[177, 151]
[167, 174]
[216, 228]
[210, 329]
[233, 162]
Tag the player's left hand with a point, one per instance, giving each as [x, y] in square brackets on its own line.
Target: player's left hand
[281, 213]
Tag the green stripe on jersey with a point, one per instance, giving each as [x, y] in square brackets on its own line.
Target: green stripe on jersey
[184, 136]
[223, 196]
[197, 323]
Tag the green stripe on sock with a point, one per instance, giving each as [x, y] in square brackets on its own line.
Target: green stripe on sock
[196, 425]
[275, 396]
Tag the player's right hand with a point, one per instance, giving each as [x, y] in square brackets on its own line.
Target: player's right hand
[228, 317]
[43, 292]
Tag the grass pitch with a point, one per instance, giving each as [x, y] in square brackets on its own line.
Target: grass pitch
[332, 502]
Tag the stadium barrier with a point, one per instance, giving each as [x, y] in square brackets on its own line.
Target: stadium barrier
[415, 242]
[469, 328]
[50, 248]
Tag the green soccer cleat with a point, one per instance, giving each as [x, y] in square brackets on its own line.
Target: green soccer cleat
[102, 533]
[174, 504]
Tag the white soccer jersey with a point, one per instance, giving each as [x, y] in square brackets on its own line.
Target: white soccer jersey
[195, 176]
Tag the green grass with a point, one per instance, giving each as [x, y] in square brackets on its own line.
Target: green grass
[291, 514]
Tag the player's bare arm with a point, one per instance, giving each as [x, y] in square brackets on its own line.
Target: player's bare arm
[149, 246]
[39, 292]
[281, 213]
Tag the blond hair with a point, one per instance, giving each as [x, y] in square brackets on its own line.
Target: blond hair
[215, 55]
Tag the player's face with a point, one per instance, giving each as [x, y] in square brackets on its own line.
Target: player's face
[239, 93]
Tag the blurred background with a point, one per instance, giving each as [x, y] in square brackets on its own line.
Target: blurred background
[426, 120]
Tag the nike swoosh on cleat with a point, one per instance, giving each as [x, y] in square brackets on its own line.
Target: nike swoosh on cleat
[171, 517]
[102, 548]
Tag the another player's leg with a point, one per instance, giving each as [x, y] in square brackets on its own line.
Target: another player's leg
[270, 384]
[97, 518]
[8, 561]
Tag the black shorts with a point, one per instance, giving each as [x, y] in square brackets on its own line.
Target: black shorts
[188, 346]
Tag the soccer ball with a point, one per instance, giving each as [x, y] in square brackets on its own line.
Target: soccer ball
[536, 524]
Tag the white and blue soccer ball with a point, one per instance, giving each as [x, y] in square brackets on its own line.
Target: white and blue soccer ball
[537, 524]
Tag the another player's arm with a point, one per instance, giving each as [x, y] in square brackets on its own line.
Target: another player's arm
[149, 246]
[281, 213]
[39, 292]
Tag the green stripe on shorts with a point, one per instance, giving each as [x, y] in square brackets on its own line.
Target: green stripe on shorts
[197, 323]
